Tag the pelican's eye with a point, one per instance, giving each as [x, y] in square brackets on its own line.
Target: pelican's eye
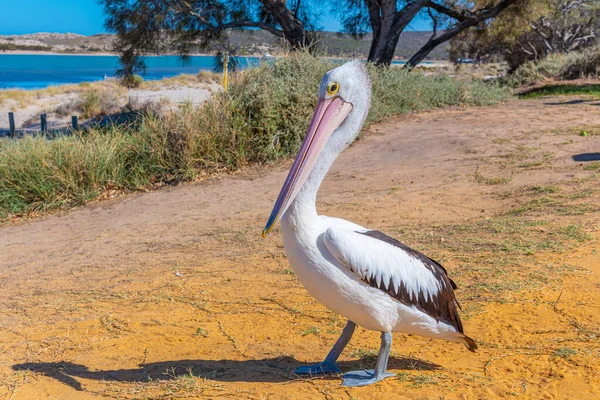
[333, 88]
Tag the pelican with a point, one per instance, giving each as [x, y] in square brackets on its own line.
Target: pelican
[368, 277]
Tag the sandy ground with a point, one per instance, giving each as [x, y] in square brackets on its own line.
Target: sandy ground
[173, 293]
[177, 95]
[28, 117]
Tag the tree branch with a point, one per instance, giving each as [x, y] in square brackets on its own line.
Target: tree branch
[237, 24]
[462, 25]
[435, 23]
[457, 15]
[253, 24]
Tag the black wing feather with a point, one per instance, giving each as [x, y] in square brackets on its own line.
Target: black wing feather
[443, 305]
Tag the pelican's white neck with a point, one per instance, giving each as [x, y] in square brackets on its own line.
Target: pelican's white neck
[303, 209]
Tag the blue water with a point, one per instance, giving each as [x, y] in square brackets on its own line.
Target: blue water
[40, 71]
[26, 71]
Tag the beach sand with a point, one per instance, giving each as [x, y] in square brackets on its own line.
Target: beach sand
[27, 111]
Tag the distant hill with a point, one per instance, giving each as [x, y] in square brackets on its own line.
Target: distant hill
[58, 42]
[336, 44]
[246, 42]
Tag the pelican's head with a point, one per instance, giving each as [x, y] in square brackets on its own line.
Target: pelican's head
[344, 101]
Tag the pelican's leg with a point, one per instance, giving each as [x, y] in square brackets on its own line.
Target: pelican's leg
[367, 377]
[329, 365]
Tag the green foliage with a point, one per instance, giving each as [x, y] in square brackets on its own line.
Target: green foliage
[201, 332]
[530, 30]
[96, 102]
[92, 102]
[262, 118]
[132, 81]
[564, 352]
[396, 91]
[532, 72]
[38, 174]
[584, 64]
[564, 89]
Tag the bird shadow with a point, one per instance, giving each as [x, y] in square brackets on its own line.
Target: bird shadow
[586, 157]
[271, 370]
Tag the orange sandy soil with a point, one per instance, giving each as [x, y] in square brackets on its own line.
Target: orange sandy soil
[174, 294]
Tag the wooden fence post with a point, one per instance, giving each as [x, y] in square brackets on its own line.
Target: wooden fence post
[11, 123]
[43, 123]
[74, 123]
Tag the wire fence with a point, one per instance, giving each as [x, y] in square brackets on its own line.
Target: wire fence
[54, 129]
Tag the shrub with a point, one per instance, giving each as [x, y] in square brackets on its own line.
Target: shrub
[575, 65]
[132, 81]
[532, 72]
[582, 65]
[91, 103]
[208, 76]
[96, 102]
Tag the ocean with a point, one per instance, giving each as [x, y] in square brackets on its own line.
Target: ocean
[24, 71]
[28, 71]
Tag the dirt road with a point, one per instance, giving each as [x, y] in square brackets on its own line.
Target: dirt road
[174, 294]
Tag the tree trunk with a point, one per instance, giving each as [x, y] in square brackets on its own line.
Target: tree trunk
[293, 30]
[391, 24]
[375, 19]
[383, 48]
[425, 50]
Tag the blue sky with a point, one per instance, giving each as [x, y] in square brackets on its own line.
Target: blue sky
[83, 16]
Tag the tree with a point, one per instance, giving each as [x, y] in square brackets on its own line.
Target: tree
[464, 19]
[388, 18]
[181, 26]
[568, 25]
[533, 30]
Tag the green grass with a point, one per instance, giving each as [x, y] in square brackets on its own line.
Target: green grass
[201, 332]
[556, 90]
[313, 330]
[366, 354]
[545, 189]
[574, 232]
[564, 352]
[593, 166]
[262, 118]
[586, 131]
[496, 180]
[417, 381]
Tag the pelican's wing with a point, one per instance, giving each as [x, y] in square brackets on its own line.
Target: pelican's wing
[405, 274]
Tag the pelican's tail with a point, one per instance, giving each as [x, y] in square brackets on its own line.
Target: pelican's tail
[470, 343]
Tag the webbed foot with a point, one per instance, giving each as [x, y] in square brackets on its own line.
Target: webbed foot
[363, 377]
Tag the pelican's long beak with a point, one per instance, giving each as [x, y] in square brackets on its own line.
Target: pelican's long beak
[329, 115]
